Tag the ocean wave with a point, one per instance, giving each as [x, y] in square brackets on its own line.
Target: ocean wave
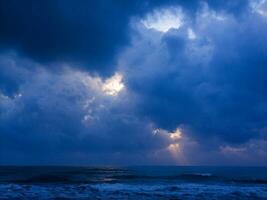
[190, 177]
[95, 175]
[131, 191]
[193, 177]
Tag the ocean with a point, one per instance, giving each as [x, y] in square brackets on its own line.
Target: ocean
[146, 182]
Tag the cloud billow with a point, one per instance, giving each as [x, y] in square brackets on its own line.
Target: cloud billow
[171, 91]
[213, 83]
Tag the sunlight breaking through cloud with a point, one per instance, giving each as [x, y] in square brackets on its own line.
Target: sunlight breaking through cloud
[177, 134]
[113, 85]
[164, 20]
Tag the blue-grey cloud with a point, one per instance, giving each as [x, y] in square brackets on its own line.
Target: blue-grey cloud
[198, 88]
[214, 83]
[67, 113]
[86, 32]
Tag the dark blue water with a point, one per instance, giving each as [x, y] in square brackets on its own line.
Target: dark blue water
[133, 182]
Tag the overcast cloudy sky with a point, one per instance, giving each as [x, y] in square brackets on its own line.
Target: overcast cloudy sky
[157, 82]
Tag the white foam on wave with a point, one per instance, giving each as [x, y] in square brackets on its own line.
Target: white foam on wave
[122, 191]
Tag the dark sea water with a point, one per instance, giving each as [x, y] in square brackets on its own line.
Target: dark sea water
[133, 182]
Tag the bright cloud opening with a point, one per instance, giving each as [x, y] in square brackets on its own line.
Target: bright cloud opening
[163, 20]
[174, 149]
[113, 85]
[110, 86]
[176, 135]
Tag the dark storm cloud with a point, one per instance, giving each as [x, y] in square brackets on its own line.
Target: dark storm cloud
[12, 76]
[86, 32]
[215, 83]
[65, 114]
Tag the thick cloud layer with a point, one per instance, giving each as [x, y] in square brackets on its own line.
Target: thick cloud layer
[214, 78]
[87, 32]
[208, 75]
[184, 79]
[68, 113]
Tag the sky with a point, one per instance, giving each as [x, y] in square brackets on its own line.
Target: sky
[145, 82]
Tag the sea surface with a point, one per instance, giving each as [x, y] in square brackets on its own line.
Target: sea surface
[133, 182]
